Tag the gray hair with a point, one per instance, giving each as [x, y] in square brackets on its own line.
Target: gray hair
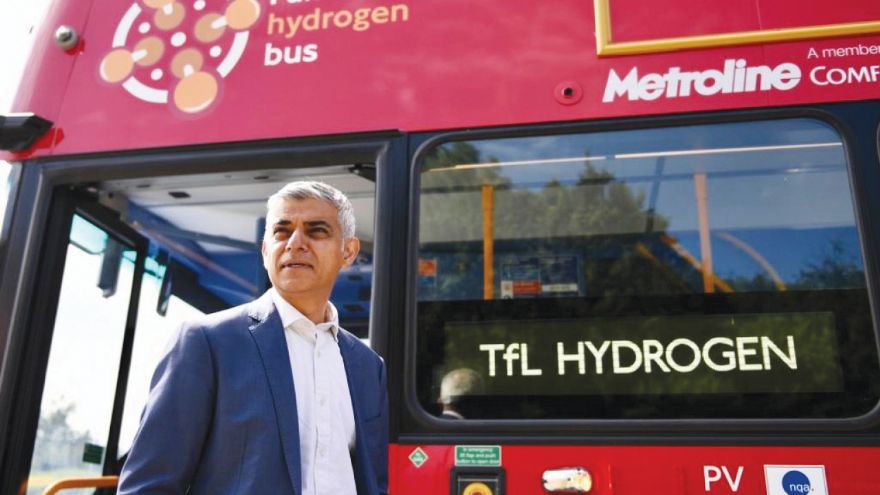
[318, 190]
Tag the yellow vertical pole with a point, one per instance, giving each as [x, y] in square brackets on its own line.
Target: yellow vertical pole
[705, 240]
[488, 242]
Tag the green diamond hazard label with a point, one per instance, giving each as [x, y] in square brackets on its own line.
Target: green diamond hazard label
[477, 455]
[418, 457]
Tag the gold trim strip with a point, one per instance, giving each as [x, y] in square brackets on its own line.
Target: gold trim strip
[605, 47]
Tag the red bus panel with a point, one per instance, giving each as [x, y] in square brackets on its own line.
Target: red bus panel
[288, 68]
[636, 470]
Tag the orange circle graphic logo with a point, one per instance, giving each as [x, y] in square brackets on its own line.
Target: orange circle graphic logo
[177, 52]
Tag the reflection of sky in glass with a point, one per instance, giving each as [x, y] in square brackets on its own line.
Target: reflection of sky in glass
[608, 151]
[88, 237]
[610, 143]
[780, 188]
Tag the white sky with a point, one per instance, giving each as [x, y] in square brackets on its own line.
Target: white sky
[88, 325]
[17, 18]
[18, 23]
[86, 342]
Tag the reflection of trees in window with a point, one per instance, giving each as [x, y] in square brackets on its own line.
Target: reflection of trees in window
[834, 268]
[596, 203]
[622, 243]
[451, 210]
[759, 282]
[601, 219]
[58, 444]
[451, 198]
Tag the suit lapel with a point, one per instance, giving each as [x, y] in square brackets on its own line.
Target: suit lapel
[360, 459]
[268, 333]
[352, 368]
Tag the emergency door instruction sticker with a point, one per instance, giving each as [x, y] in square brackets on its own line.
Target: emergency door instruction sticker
[478, 455]
[795, 480]
[418, 457]
[93, 454]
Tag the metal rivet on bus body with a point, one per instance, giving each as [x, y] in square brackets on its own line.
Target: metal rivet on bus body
[66, 37]
[568, 92]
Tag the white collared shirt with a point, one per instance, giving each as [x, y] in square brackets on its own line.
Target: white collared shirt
[323, 403]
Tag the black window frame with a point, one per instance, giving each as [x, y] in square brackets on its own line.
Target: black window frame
[8, 215]
[857, 126]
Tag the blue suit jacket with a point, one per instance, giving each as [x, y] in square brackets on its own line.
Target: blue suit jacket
[221, 417]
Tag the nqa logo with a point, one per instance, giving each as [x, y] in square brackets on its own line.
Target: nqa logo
[795, 480]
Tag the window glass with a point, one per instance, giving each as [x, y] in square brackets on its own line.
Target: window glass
[154, 332]
[699, 271]
[5, 189]
[81, 374]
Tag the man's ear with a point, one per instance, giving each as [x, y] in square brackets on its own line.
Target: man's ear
[350, 251]
[263, 248]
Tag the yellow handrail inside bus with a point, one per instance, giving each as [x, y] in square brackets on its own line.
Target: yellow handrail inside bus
[69, 483]
[702, 196]
[488, 242]
[605, 47]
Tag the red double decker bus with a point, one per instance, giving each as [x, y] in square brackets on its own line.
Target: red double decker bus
[608, 247]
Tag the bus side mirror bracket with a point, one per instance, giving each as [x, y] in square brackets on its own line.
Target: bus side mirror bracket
[18, 131]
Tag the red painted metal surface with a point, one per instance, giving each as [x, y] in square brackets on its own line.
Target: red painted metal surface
[436, 65]
[454, 64]
[631, 21]
[637, 470]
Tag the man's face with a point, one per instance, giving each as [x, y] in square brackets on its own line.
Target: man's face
[303, 248]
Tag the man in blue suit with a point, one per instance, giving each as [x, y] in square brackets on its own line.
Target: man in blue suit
[271, 397]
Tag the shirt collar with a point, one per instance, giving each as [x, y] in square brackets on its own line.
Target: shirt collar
[289, 315]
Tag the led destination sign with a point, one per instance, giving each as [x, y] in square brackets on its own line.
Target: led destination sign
[754, 353]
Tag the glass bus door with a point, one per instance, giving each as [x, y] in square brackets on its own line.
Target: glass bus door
[91, 339]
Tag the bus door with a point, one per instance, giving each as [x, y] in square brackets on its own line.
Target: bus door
[129, 254]
[87, 307]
